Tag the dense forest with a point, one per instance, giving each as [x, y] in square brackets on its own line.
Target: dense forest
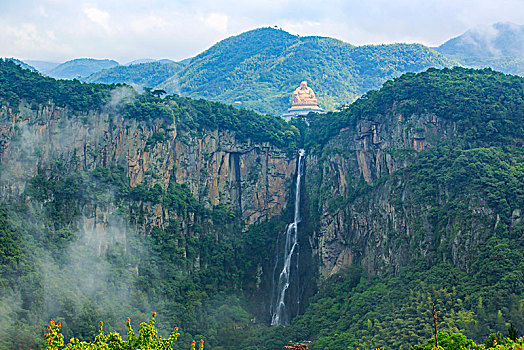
[205, 271]
[80, 68]
[260, 69]
[141, 75]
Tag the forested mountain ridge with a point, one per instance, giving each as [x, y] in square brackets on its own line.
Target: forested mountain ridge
[260, 69]
[499, 46]
[138, 75]
[80, 68]
[412, 192]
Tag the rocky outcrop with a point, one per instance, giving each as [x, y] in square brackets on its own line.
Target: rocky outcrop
[371, 230]
[252, 178]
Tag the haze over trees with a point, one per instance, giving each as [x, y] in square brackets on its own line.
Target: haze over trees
[499, 46]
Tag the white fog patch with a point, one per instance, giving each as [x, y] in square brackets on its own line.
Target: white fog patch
[121, 95]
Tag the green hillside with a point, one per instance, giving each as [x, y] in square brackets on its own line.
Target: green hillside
[462, 199]
[205, 271]
[80, 68]
[484, 113]
[42, 66]
[261, 68]
[499, 46]
[140, 75]
[18, 84]
[21, 64]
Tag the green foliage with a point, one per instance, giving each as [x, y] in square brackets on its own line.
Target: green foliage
[147, 339]
[492, 340]
[353, 309]
[260, 69]
[513, 333]
[18, 84]
[10, 253]
[204, 115]
[146, 107]
[486, 106]
[458, 341]
[63, 191]
[137, 75]
[493, 175]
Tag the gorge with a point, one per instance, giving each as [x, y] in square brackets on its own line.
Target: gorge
[130, 202]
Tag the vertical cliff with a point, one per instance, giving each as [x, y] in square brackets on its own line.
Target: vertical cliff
[357, 157]
[251, 178]
[363, 198]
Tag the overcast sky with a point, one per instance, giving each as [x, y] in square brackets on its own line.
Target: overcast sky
[58, 30]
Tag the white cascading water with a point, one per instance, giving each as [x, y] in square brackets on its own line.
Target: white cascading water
[279, 310]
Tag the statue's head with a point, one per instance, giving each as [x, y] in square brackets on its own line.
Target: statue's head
[303, 84]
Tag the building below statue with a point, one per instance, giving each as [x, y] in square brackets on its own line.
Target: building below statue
[304, 102]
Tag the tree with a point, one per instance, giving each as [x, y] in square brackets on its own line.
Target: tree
[147, 339]
[513, 334]
[158, 93]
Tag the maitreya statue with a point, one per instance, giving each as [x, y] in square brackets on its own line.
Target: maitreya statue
[304, 96]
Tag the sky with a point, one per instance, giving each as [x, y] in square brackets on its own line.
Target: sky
[125, 30]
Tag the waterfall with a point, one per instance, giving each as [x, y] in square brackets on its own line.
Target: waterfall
[279, 309]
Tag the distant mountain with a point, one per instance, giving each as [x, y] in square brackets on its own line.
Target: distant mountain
[499, 46]
[148, 60]
[137, 75]
[42, 66]
[21, 63]
[185, 61]
[259, 69]
[140, 60]
[80, 68]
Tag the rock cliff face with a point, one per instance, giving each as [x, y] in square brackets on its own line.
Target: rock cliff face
[345, 224]
[252, 178]
[375, 229]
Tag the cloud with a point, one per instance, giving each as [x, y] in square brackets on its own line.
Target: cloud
[99, 17]
[176, 29]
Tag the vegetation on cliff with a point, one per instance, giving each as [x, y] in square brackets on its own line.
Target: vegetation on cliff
[487, 106]
[191, 268]
[204, 270]
[480, 288]
[18, 84]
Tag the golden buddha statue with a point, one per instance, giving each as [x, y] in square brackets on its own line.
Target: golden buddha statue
[304, 102]
[304, 96]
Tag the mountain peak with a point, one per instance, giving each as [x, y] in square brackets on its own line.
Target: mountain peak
[496, 40]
